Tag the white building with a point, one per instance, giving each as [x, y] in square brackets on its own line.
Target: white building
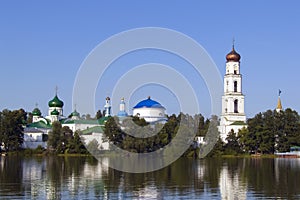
[150, 110]
[233, 115]
[36, 133]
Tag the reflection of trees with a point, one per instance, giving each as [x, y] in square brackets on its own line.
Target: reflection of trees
[273, 177]
[10, 175]
[178, 178]
[83, 177]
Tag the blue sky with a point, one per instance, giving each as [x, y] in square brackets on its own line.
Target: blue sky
[42, 44]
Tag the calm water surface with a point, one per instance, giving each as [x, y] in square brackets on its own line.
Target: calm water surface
[87, 178]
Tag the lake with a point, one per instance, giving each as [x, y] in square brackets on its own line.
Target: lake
[210, 178]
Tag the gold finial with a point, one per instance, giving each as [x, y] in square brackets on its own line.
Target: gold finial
[233, 43]
[149, 97]
[122, 98]
[36, 105]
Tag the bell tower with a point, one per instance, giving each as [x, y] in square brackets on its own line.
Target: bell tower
[233, 114]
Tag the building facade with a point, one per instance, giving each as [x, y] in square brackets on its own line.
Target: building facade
[233, 110]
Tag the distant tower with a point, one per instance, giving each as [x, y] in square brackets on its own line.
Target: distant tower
[107, 107]
[279, 106]
[56, 104]
[36, 114]
[122, 112]
[233, 115]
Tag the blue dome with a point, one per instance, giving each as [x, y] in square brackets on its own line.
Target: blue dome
[148, 103]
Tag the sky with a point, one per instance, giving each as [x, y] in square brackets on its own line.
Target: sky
[43, 45]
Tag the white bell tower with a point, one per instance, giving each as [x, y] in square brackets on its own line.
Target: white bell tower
[233, 114]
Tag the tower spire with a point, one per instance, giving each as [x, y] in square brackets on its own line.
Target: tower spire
[279, 105]
[56, 89]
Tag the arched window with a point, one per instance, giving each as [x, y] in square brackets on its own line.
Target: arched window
[235, 86]
[236, 106]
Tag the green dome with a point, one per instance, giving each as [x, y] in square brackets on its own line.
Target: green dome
[56, 102]
[36, 112]
[75, 114]
[54, 112]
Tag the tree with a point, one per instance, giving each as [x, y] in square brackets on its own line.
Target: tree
[99, 114]
[54, 139]
[11, 128]
[75, 144]
[271, 131]
[232, 146]
[246, 140]
[113, 132]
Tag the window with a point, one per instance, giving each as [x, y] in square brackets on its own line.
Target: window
[235, 86]
[227, 86]
[235, 72]
[236, 106]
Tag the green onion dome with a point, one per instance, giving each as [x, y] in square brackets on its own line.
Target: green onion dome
[75, 114]
[36, 112]
[54, 112]
[56, 102]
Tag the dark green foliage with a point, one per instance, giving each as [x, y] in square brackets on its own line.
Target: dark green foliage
[217, 150]
[164, 133]
[55, 138]
[62, 140]
[271, 131]
[232, 146]
[99, 114]
[11, 128]
[75, 144]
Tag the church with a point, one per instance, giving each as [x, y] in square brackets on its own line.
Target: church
[233, 100]
[36, 133]
[232, 117]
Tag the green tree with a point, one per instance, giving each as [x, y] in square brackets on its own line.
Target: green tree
[113, 132]
[75, 144]
[232, 146]
[11, 128]
[99, 114]
[247, 140]
[54, 138]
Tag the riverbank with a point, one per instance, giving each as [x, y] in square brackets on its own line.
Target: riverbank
[34, 152]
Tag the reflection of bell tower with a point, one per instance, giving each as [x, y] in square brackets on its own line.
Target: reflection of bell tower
[233, 115]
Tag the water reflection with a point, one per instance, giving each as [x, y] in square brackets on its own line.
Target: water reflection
[87, 178]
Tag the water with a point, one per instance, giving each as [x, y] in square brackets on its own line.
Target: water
[86, 178]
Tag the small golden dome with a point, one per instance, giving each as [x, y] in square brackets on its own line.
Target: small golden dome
[107, 98]
[233, 56]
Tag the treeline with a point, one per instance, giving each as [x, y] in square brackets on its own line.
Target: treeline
[267, 132]
[163, 134]
[60, 139]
